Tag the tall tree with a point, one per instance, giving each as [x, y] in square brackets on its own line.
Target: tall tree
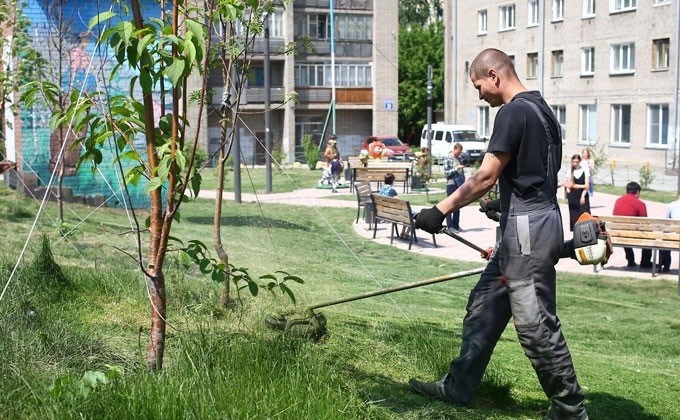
[414, 59]
[419, 12]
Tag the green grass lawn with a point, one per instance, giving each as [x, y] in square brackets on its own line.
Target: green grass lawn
[74, 334]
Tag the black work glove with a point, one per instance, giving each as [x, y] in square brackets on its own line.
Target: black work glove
[492, 208]
[430, 220]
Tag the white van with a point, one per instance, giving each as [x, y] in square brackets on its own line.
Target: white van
[444, 136]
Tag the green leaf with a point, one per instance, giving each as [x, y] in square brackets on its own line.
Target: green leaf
[153, 184]
[180, 160]
[196, 184]
[100, 18]
[268, 276]
[254, 288]
[163, 168]
[143, 43]
[218, 276]
[175, 71]
[288, 292]
[145, 81]
[92, 379]
[189, 48]
[205, 266]
[185, 260]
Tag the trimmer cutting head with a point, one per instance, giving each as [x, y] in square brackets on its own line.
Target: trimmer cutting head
[310, 325]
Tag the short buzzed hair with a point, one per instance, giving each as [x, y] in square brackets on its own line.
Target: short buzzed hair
[492, 58]
[633, 187]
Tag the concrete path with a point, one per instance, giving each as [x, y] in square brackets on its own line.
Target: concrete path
[478, 229]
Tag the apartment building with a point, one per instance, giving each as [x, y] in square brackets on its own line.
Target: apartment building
[364, 85]
[609, 69]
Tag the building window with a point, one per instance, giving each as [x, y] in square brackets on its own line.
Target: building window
[313, 26]
[656, 2]
[358, 27]
[623, 58]
[482, 22]
[622, 5]
[560, 112]
[558, 10]
[532, 9]
[657, 126]
[588, 124]
[588, 8]
[557, 63]
[483, 121]
[532, 65]
[346, 75]
[275, 26]
[660, 56]
[621, 124]
[506, 17]
[587, 61]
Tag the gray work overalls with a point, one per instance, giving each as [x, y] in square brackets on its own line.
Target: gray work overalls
[519, 281]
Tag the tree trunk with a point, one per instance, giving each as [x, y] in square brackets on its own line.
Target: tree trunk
[156, 287]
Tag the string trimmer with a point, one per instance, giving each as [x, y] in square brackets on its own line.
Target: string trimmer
[310, 324]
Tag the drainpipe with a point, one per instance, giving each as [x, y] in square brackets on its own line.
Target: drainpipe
[676, 87]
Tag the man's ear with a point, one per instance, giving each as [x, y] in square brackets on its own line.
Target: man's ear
[493, 75]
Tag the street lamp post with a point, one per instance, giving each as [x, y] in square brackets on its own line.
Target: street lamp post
[429, 115]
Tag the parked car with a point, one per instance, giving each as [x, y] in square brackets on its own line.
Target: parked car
[396, 149]
[444, 136]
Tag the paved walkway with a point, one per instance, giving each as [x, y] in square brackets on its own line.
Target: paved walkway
[477, 227]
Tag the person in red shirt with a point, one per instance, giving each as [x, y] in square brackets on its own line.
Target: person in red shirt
[631, 205]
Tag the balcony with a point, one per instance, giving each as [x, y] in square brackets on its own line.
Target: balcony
[338, 4]
[343, 96]
[254, 95]
[355, 48]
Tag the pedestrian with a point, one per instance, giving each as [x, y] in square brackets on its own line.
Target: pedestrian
[328, 154]
[336, 170]
[630, 204]
[524, 155]
[672, 212]
[578, 179]
[589, 162]
[455, 176]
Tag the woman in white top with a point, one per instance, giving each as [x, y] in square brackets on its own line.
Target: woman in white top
[589, 162]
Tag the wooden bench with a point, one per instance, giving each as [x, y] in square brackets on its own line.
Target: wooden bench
[363, 192]
[644, 232]
[397, 212]
[377, 175]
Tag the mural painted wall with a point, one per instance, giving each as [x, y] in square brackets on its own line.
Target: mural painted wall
[75, 60]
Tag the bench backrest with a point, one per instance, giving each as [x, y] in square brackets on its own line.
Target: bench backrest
[363, 190]
[354, 162]
[375, 163]
[378, 174]
[643, 232]
[392, 208]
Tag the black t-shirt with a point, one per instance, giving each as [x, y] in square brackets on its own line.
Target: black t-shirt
[519, 132]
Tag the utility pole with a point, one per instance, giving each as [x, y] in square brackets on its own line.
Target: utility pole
[429, 115]
[267, 110]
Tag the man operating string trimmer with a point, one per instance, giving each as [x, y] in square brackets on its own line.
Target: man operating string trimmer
[524, 155]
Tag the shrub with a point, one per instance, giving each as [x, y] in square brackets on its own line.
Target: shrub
[311, 151]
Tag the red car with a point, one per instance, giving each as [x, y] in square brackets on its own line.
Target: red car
[396, 150]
